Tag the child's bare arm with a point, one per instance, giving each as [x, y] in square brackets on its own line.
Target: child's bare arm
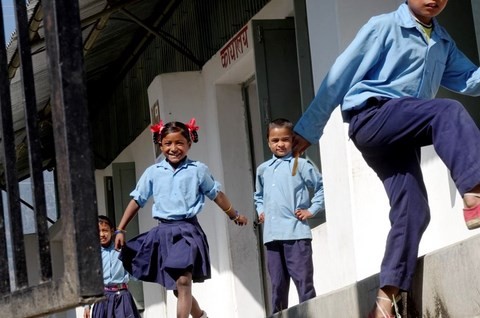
[130, 212]
[224, 203]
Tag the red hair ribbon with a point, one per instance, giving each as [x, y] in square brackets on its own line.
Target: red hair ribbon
[157, 128]
[192, 125]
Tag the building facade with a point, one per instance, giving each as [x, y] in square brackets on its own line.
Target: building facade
[232, 97]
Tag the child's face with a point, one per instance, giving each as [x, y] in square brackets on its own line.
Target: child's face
[280, 141]
[425, 10]
[106, 233]
[175, 147]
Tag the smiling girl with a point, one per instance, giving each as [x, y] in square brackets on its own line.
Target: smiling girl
[174, 253]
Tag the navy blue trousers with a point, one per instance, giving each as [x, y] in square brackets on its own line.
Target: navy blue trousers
[389, 134]
[287, 259]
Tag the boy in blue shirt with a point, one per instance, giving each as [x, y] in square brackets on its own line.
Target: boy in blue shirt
[385, 82]
[283, 204]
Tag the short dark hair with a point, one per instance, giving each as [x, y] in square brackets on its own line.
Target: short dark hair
[279, 123]
[105, 219]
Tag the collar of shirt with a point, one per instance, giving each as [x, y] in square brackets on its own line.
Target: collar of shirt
[406, 19]
[110, 246]
[166, 165]
[274, 159]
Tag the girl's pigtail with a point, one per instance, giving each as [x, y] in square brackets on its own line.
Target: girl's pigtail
[194, 136]
[192, 128]
[157, 130]
[155, 138]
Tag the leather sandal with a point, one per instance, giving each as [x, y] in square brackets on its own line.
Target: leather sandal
[472, 215]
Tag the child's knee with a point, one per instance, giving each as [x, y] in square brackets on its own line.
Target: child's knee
[184, 282]
[452, 105]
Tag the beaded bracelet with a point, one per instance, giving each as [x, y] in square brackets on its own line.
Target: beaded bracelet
[236, 217]
[118, 231]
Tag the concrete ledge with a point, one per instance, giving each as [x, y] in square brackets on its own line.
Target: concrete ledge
[446, 285]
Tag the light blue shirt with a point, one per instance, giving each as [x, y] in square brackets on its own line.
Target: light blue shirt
[390, 57]
[113, 271]
[278, 195]
[177, 193]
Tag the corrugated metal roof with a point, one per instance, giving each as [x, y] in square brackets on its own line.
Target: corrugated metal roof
[126, 44]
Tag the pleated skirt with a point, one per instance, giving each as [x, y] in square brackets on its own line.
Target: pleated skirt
[167, 251]
[118, 304]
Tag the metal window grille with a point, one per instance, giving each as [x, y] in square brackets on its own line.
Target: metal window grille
[73, 275]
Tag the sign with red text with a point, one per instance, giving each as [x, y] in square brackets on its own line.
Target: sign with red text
[235, 48]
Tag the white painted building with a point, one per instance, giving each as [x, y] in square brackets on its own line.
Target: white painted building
[349, 245]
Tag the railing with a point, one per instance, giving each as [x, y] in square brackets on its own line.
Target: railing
[33, 285]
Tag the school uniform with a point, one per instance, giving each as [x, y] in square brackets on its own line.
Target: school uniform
[177, 244]
[385, 82]
[278, 195]
[118, 302]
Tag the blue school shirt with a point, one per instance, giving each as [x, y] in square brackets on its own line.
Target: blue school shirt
[177, 194]
[278, 195]
[113, 271]
[390, 57]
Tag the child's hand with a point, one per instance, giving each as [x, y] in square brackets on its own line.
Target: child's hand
[261, 218]
[119, 241]
[303, 215]
[86, 312]
[241, 220]
[300, 144]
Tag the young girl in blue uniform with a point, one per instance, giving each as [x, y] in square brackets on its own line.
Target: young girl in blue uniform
[386, 82]
[174, 253]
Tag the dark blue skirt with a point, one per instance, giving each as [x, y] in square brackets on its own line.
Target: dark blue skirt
[119, 304]
[167, 251]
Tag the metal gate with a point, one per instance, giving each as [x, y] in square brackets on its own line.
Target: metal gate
[79, 278]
